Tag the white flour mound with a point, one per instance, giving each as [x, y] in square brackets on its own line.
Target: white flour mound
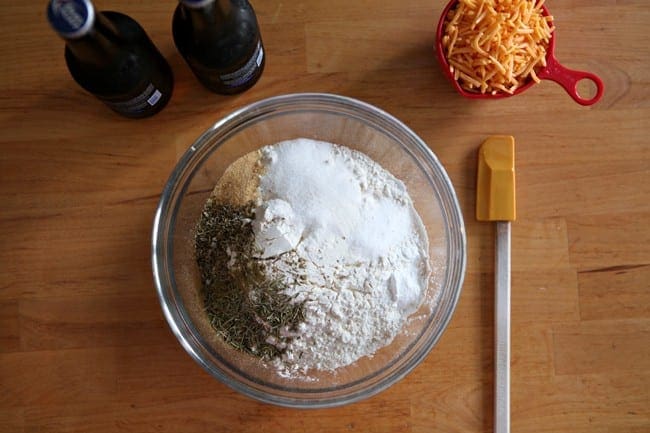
[343, 233]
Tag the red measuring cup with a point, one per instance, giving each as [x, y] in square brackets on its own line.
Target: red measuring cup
[567, 78]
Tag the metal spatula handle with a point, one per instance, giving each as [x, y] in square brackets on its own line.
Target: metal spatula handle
[502, 329]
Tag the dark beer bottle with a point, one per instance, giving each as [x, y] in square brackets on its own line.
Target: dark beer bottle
[221, 42]
[110, 55]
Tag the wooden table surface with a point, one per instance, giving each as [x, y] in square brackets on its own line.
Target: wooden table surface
[83, 343]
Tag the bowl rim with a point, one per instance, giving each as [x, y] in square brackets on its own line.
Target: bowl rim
[163, 211]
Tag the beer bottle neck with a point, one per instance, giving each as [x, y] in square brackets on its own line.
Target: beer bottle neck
[207, 15]
[98, 45]
[90, 36]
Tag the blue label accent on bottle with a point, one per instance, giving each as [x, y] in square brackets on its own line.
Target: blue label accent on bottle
[71, 18]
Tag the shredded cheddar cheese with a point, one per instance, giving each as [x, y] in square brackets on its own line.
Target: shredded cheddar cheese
[495, 46]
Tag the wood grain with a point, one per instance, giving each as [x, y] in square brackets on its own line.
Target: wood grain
[83, 343]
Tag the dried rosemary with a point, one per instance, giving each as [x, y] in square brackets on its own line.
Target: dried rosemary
[249, 311]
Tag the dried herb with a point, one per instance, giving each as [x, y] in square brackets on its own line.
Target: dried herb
[247, 309]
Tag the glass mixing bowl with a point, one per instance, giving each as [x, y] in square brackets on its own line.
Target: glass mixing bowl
[339, 120]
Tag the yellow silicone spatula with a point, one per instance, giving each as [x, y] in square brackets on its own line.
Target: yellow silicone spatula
[495, 201]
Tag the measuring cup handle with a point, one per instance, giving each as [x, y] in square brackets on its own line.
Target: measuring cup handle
[568, 78]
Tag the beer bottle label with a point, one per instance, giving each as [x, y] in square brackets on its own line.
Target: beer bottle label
[247, 72]
[137, 105]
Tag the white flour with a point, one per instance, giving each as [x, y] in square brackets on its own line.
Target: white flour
[343, 233]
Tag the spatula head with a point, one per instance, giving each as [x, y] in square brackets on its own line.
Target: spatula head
[495, 181]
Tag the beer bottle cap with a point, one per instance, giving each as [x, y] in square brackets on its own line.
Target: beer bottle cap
[71, 18]
[195, 4]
